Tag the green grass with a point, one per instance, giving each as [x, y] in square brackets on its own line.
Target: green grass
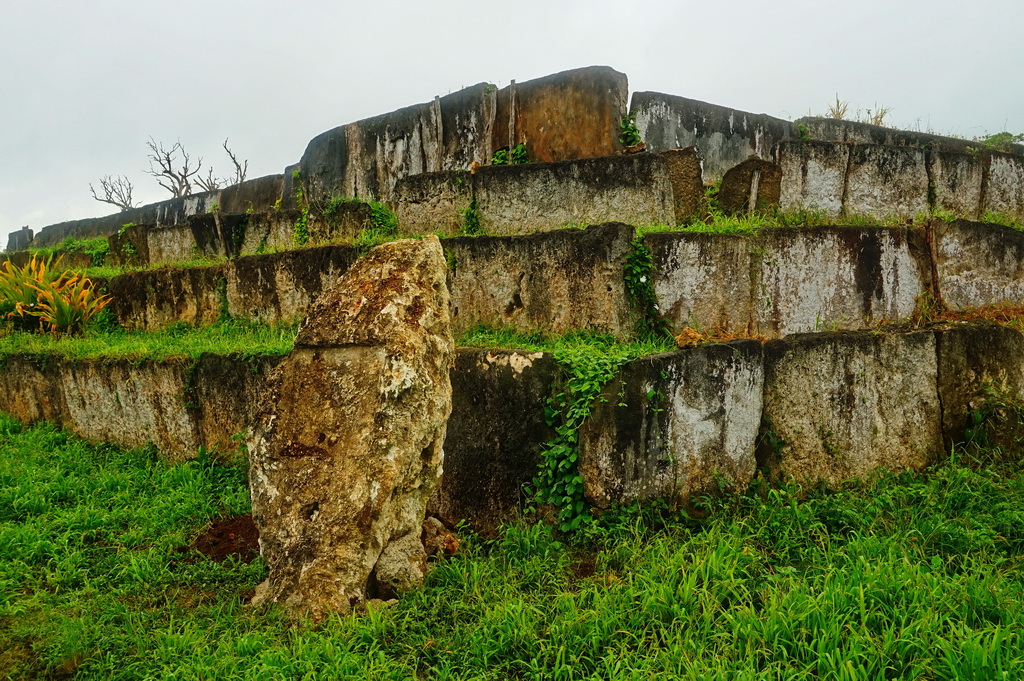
[179, 340]
[559, 344]
[904, 577]
[96, 247]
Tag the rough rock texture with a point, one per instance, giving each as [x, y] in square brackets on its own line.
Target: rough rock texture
[348, 448]
[1004, 186]
[278, 288]
[886, 181]
[553, 282]
[956, 182]
[19, 240]
[837, 130]
[979, 263]
[724, 136]
[813, 175]
[975, 362]
[686, 176]
[828, 278]
[433, 202]
[495, 435]
[256, 195]
[154, 299]
[568, 115]
[846, 404]
[339, 221]
[703, 280]
[751, 186]
[520, 199]
[689, 416]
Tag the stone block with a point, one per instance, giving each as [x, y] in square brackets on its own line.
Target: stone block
[433, 203]
[886, 181]
[520, 199]
[750, 187]
[956, 181]
[813, 175]
[843, 405]
[552, 282]
[495, 435]
[703, 280]
[19, 240]
[1004, 186]
[252, 196]
[569, 115]
[827, 278]
[837, 130]
[689, 417]
[339, 220]
[976, 362]
[979, 263]
[154, 299]
[686, 175]
[724, 136]
[129, 245]
[279, 287]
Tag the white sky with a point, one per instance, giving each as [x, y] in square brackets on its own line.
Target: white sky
[84, 83]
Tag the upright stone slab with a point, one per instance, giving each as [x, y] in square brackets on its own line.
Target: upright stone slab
[979, 263]
[749, 187]
[685, 172]
[1004, 186]
[813, 175]
[348, 447]
[841, 405]
[885, 181]
[956, 179]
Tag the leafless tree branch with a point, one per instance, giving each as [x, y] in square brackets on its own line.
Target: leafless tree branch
[173, 175]
[240, 168]
[116, 191]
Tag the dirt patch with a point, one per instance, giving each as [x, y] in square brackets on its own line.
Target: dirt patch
[228, 537]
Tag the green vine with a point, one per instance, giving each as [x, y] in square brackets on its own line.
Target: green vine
[300, 233]
[471, 220]
[589, 367]
[638, 272]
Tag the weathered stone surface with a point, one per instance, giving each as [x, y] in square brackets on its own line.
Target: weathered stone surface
[340, 498]
[686, 176]
[495, 435]
[979, 263]
[280, 287]
[886, 181]
[976, 361]
[19, 240]
[433, 202]
[828, 278]
[527, 198]
[222, 394]
[129, 245]
[252, 196]
[837, 130]
[1004, 186]
[703, 280]
[749, 187]
[813, 175]
[365, 159]
[565, 116]
[28, 389]
[956, 182]
[168, 244]
[724, 136]
[339, 221]
[552, 282]
[846, 404]
[689, 416]
[155, 299]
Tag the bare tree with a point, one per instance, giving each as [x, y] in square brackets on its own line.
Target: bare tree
[210, 182]
[116, 191]
[173, 175]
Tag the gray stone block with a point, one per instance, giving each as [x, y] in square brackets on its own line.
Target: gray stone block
[433, 202]
[845, 405]
[886, 181]
[813, 175]
[1004, 186]
[689, 417]
[979, 263]
[956, 182]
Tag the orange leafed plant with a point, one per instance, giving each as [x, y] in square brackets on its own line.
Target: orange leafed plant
[41, 295]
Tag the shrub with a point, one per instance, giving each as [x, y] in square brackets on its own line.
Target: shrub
[40, 295]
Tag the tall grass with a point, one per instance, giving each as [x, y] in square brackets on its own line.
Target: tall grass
[903, 577]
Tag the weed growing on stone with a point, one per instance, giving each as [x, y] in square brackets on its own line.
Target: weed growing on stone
[517, 155]
[909, 576]
[300, 231]
[629, 134]
[95, 247]
[471, 220]
[638, 273]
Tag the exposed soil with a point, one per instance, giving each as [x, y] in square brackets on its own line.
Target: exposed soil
[228, 537]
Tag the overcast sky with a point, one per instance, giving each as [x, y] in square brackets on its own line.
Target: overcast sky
[84, 83]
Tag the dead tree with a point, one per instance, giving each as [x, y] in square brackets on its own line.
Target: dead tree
[210, 182]
[116, 191]
[173, 175]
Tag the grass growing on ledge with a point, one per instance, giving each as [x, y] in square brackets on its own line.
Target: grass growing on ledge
[490, 337]
[910, 576]
[179, 340]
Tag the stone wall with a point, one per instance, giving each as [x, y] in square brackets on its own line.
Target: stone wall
[898, 181]
[724, 136]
